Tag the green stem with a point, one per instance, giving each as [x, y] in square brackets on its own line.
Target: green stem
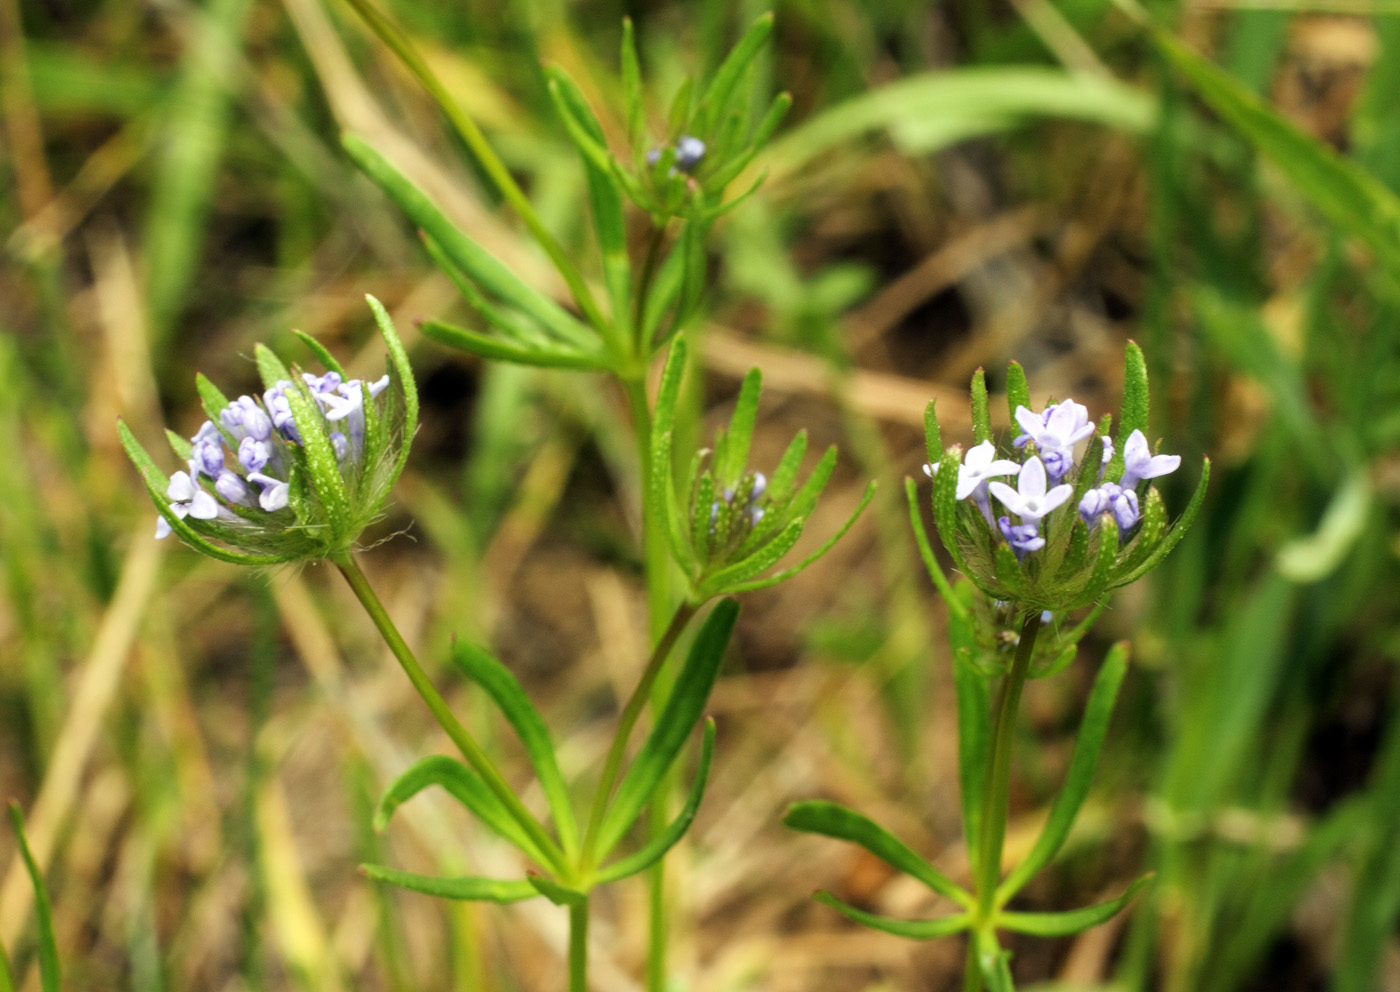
[472, 751]
[626, 722]
[972, 974]
[491, 164]
[578, 946]
[657, 558]
[996, 799]
[658, 235]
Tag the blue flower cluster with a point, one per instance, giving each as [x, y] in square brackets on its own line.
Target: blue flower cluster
[1052, 435]
[256, 432]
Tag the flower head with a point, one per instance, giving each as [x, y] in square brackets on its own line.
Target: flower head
[313, 461]
[1066, 537]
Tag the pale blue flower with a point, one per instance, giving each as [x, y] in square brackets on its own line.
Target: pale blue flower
[1029, 500]
[1139, 462]
[187, 498]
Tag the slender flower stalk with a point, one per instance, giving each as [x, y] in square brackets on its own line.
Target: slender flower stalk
[443, 714]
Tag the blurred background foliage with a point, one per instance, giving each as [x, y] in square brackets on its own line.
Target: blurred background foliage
[958, 184]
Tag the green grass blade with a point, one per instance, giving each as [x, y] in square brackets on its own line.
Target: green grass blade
[1350, 197]
[656, 849]
[510, 697]
[935, 571]
[49, 970]
[467, 888]
[673, 725]
[834, 820]
[1092, 731]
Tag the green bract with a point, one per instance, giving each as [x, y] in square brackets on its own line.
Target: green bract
[736, 524]
[294, 475]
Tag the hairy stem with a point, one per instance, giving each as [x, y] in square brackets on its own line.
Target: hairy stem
[443, 714]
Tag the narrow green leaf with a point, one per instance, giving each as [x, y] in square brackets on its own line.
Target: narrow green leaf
[402, 381]
[834, 820]
[935, 571]
[717, 95]
[913, 929]
[760, 561]
[468, 888]
[1350, 197]
[1070, 922]
[633, 99]
[669, 391]
[678, 114]
[664, 293]
[811, 559]
[981, 417]
[212, 399]
[945, 504]
[49, 971]
[466, 787]
[476, 262]
[785, 475]
[505, 690]
[182, 448]
[555, 356]
[321, 352]
[700, 519]
[731, 457]
[1178, 531]
[322, 465]
[805, 500]
[664, 496]
[1092, 731]
[656, 849]
[270, 367]
[1135, 405]
[673, 725]
[1097, 584]
[1018, 392]
[933, 437]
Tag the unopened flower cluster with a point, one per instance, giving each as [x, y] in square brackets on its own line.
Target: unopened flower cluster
[1068, 514]
[256, 433]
